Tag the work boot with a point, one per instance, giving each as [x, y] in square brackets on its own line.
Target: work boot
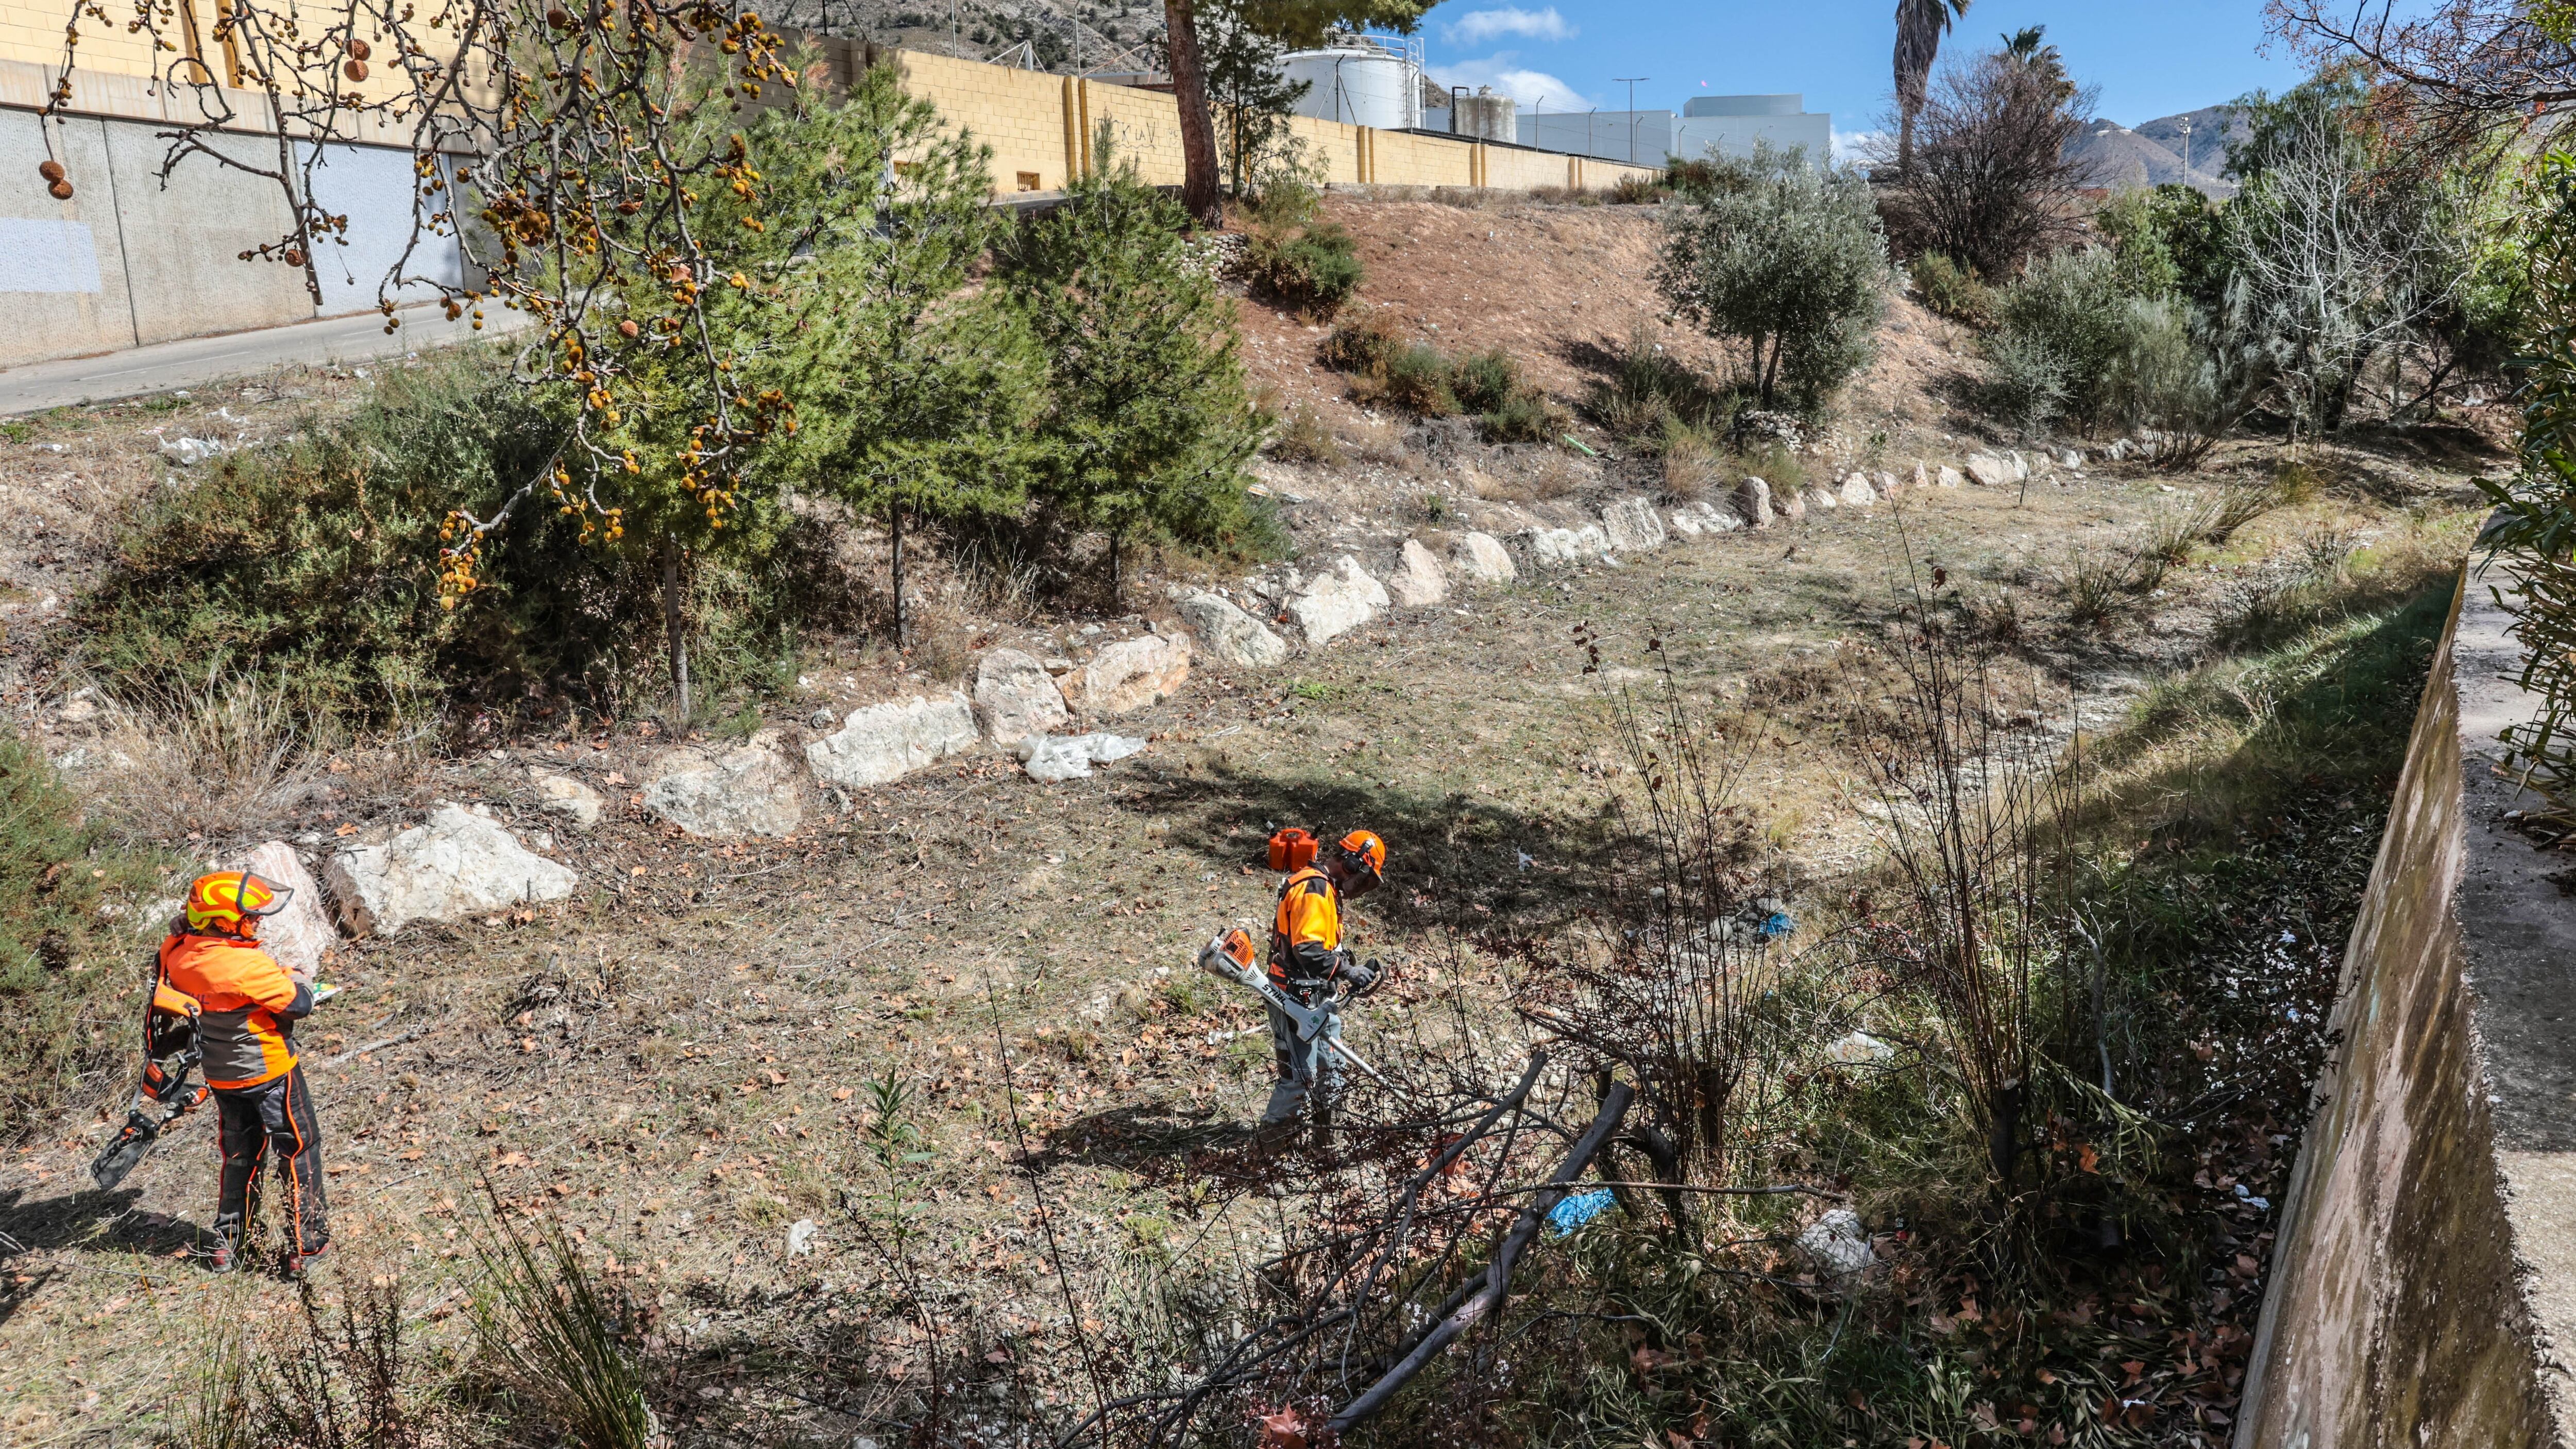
[292, 1270]
[227, 1253]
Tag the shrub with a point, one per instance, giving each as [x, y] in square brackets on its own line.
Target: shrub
[2069, 306]
[1953, 291]
[1314, 266]
[313, 564]
[70, 983]
[1635, 190]
[1522, 417]
[1417, 378]
[1650, 391]
[1485, 381]
[1793, 266]
[1774, 464]
[2025, 384]
[1363, 345]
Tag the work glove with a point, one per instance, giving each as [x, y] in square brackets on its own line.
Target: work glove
[1363, 976]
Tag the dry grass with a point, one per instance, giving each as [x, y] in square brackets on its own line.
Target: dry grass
[211, 761]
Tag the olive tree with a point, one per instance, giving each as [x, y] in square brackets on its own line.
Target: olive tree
[1787, 259]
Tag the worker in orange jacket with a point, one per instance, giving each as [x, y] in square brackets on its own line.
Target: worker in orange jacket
[249, 1005]
[1306, 962]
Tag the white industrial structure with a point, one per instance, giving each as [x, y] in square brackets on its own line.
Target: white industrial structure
[1365, 80]
[1729, 125]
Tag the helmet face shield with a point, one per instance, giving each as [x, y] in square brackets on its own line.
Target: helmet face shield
[232, 903]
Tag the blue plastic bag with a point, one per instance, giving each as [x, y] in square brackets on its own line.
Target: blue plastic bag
[1577, 1210]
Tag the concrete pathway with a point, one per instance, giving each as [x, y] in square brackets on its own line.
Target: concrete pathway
[196, 361]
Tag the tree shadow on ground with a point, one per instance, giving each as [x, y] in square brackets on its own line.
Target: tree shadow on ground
[1455, 863]
[86, 1221]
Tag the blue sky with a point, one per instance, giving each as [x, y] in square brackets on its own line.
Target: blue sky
[2150, 60]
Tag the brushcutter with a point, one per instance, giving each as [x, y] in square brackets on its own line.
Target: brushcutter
[1228, 957]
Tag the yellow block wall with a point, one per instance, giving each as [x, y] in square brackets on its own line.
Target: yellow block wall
[1019, 113]
[1145, 127]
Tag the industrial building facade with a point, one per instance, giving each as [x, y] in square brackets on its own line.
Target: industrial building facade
[132, 257]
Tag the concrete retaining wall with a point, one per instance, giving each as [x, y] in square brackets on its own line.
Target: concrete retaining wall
[129, 260]
[2427, 1258]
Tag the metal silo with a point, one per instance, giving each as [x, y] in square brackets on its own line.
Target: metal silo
[1366, 80]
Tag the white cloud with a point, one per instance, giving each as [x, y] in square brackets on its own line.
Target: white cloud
[1478, 27]
[1532, 88]
[1851, 146]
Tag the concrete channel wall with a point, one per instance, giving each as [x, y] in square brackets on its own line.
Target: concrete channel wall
[2423, 1289]
[132, 259]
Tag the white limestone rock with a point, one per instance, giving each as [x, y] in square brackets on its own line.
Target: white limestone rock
[1822, 500]
[889, 741]
[1886, 483]
[1230, 634]
[1129, 675]
[1336, 601]
[460, 865]
[559, 794]
[1988, 471]
[1753, 502]
[1418, 581]
[300, 934]
[1015, 697]
[1482, 557]
[1857, 493]
[750, 789]
[1631, 525]
[1950, 477]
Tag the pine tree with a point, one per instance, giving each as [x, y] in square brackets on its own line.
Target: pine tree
[917, 395]
[1148, 421]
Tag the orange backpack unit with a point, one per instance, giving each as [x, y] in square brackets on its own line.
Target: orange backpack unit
[1292, 848]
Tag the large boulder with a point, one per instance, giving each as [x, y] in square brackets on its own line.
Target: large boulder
[1632, 526]
[1857, 493]
[1336, 601]
[1820, 500]
[1015, 697]
[1988, 471]
[1887, 483]
[1950, 477]
[1482, 557]
[1230, 634]
[1790, 504]
[300, 934]
[1129, 675]
[461, 864]
[1418, 581]
[1547, 549]
[559, 794]
[748, 790]
[1591, 541]
[1922, 477]
[889, 741]
[1753, 502]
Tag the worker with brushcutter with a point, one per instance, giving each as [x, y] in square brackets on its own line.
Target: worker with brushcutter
[1307, 963]
[246, 1009]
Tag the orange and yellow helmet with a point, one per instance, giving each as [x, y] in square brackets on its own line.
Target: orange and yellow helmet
[231, 903]
[1364, 854]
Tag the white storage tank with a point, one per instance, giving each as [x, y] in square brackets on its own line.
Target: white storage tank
[1365, 80]
[1485, 116]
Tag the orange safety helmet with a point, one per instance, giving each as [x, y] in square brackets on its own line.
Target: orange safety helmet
[1364, 854]
[231, 903]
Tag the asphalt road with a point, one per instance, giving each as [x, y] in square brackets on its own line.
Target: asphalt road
[196, 361]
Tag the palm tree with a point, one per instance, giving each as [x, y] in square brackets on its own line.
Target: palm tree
[2024, 48]
[1920, 24]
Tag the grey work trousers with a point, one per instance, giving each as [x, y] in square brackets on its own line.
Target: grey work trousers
[1306, 1068]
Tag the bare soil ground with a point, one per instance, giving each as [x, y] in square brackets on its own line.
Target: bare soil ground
[677, 1061]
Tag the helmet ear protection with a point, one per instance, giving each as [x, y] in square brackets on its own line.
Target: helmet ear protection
[1363, 856]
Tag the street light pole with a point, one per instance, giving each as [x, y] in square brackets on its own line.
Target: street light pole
[1631, 81]
[2186, 153]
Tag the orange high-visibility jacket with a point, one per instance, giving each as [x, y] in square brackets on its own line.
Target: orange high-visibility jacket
[1306, 934]
[250, 1005]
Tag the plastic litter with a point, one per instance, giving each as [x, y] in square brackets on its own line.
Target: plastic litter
[189, 452]
[800, 1238]
[1858, 1048]
[1837, 1244]
[1577, 1210]
[1070, 757]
